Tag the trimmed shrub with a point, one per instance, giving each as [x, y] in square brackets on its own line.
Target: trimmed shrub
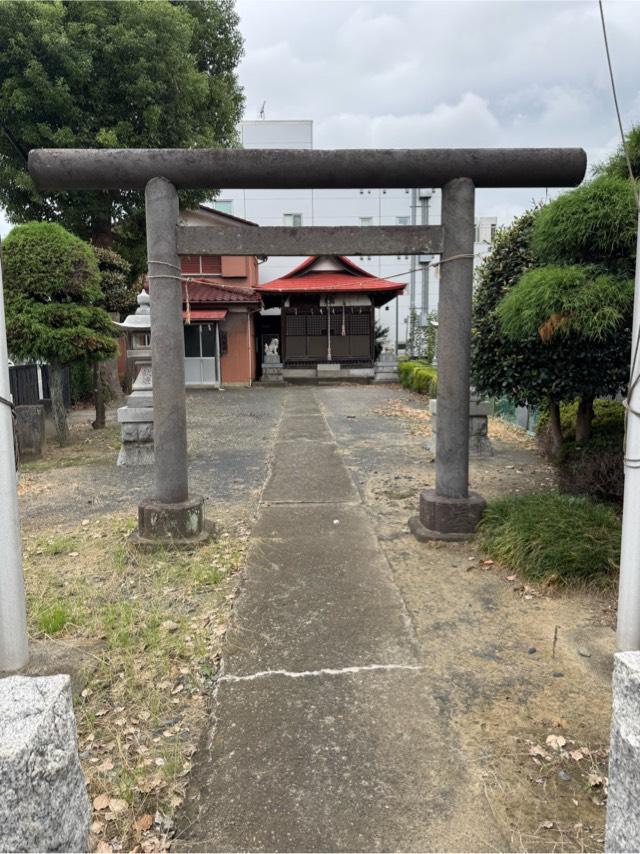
[553, 538]
[420, 377]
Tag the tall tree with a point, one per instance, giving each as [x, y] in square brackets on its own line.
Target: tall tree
[52, 287]
[111, 75]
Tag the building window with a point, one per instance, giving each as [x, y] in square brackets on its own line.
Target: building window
[366, 220]
[402, 220]
[199, 264]
[494, 228]
[292, 219]
[224, 205]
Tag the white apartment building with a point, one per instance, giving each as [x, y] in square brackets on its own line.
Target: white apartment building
[363, 206]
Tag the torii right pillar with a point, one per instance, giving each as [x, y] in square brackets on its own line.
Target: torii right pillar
[451, 511]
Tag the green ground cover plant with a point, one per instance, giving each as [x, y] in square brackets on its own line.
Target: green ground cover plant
[552, 538]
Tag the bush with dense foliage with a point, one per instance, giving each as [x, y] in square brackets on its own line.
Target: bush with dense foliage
[553, 538]
[419, 376]
[119, 290]
[52, 287]
[553, 306]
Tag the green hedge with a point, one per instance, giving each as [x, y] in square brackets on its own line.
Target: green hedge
[419, 376]
[551, 537]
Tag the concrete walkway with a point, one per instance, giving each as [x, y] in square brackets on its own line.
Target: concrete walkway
[329, 733]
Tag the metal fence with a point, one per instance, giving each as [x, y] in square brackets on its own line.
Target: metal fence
[524, 416]
[30, 384]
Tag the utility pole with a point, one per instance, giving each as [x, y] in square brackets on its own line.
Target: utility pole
[14, 649]
[425, 201]
[628, 634]
[412, 274]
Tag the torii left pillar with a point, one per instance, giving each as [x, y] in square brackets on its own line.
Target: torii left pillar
[170, 516]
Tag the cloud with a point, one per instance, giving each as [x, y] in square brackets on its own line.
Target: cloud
[467, 123]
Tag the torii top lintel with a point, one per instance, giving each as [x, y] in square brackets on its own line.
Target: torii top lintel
[206, 168]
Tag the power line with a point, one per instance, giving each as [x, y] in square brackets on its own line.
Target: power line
[617, 107]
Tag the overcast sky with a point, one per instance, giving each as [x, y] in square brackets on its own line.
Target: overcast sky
[430, 74]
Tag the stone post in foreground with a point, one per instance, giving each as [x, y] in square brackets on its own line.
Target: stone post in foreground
[450, 511]
[169, 516]
[44, 804]
[623, 802]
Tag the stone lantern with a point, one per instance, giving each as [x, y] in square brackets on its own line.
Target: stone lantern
[136, 417]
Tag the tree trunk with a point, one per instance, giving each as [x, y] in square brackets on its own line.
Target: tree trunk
[584, 419]
[56, 389]
[98, 399]
[110, 379]
[101, 226]
[555, 428]
[109, 370]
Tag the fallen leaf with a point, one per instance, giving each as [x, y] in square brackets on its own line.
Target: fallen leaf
[536, 750]
[556, 741]
[170, 626]
[151, 783]
[547, 824]
[117, 805]
[101, 802]
[103, 847]
[579, 754]
[594, 779]
[144, 822]
[97, 827]
[107, 765]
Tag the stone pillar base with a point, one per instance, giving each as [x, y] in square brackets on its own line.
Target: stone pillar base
[271, 372]
[180, 524]
[44, 804]
[443, 518]
[623, 815]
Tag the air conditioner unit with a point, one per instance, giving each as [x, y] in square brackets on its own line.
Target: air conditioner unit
[425, 193]
[425, 259]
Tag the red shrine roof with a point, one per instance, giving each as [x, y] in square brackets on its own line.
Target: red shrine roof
[200, 291]
[349, 279]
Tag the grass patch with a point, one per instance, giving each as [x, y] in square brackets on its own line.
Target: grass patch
[87, 447]
[553, 538]
[52, 619]
[159, 618]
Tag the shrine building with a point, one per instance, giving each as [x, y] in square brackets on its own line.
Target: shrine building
[322, 314]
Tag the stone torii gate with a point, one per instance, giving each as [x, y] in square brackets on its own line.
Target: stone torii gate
[449, 511]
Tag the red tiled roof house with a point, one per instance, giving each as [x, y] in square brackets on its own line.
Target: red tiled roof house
[220, 305]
